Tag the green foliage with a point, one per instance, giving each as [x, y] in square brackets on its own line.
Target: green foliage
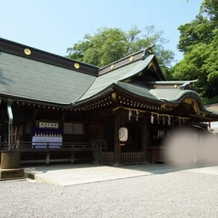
[167, 72]
[199, 30]
[107, 45]
[199, 42]
[210, 9]
[110, 44]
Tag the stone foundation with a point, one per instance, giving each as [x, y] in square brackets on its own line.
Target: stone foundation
[10, 159]
[11, 174]
[10, 165]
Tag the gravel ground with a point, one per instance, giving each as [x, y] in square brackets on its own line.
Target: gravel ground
[175, 194]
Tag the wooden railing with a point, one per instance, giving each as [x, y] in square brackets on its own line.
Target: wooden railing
[46, 152]
[132, 157]
[42, 146]
[68, 150]
[126, 157]
[107, 157]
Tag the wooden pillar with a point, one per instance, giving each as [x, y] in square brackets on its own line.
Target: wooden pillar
[72, 157]
[10, 124]
[16, 135]
[117, 149]
[145, 136]
[47, 160]
[172, 122]
[33, 122]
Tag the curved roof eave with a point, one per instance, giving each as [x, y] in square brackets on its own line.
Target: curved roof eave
[33, 101]
[115, 87]
[100, 94]
[123, 88]
[193, 95]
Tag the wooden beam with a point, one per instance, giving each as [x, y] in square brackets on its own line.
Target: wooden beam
[144, 136]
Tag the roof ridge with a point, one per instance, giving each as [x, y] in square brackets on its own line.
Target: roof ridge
[35, 54]
[139, 55]
[121, 62]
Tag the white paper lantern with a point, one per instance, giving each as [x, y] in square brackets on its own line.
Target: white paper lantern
[123, 134]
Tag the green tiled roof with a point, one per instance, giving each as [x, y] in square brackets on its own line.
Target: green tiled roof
[171, 82]
[172, 95]
[37, 81]
[122, 73]
[49, 82]
[137, 90]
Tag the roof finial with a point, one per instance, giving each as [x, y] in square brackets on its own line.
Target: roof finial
[188, 83]
[147, 51]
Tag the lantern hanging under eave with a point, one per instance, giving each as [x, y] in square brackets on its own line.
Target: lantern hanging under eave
[123, 134]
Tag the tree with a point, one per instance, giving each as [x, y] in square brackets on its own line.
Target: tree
[199, 43]
[199, 30]
[110, 44]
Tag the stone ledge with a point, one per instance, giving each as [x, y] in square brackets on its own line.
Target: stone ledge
[11, 174]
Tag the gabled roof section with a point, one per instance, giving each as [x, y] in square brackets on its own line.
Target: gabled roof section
[127, 69]
[140, 55]
[122, 73]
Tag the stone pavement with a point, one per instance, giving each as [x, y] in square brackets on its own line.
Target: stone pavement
[69, 174]
[213, 170]
[76, 174]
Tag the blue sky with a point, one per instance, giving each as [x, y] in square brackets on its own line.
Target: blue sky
[55, 25]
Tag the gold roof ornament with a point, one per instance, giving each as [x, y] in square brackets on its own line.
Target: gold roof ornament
[131, 58]
[112, 66]
[27, 51]
[76, 65]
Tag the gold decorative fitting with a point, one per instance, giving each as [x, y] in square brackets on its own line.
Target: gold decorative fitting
[114, 96]
[112, 66]
[127, 80]
[76, 65]
[27, 51]
[131, 58]
[163, 106]
[188, 101]
[175, 86]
